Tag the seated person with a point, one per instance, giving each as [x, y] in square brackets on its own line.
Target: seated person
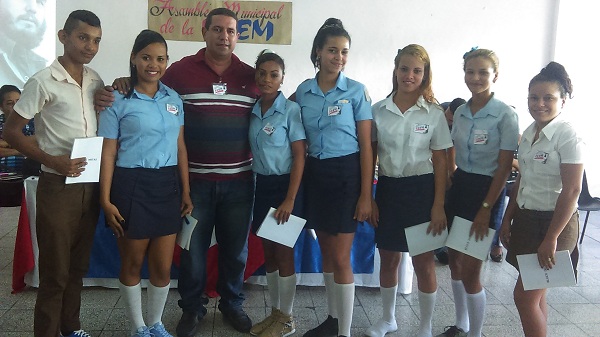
[12, 160]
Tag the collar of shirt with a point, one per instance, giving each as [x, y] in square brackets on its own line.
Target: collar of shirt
[278, 106]
[200, 57]
[341, 83]
[489, 109]
[393, 108]
[548, 130]
[61, 74]
[162, 92]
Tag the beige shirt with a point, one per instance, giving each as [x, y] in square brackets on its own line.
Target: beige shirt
[405, 140]
[539, 163]
[63, 109]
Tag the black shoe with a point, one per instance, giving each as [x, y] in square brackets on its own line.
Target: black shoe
[237, 318]
[188, 325]
[442, 256]
[329, 328]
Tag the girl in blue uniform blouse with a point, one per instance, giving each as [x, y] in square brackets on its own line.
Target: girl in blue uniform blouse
[144, 187]
[279, 151]
[336, 112]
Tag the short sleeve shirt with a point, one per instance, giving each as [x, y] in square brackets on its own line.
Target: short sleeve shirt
[147, 128]
[63, 109]
[272, 135]
[330, 118]
[539, 163]
[479, 138]
[405, 140]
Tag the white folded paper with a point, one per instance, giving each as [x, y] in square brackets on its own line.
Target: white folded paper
[286, 233]
[91, 149]
[420, 242]
[536, 277]
[460, 240]
[185, 234]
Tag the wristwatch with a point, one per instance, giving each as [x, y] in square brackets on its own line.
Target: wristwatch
[485, 205]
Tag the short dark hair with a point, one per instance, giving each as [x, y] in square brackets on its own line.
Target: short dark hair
[555, 73]
[456, 103]
[219, 11]
[83, 16]
[5, 89]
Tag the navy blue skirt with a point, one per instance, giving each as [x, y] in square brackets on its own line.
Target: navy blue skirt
[149, 200]
[270, 192]
[402, 203]
[466, 195]
[332, 188]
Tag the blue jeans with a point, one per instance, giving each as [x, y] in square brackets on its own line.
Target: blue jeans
[497, 215]
[225, 206]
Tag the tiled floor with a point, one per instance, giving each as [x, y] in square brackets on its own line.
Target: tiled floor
[573, 311]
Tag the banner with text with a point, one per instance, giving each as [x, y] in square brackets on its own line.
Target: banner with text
[258, 21]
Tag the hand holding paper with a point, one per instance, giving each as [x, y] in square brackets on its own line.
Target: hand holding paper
[285, 234]
[420, 242]
[461, 240]
[91, 149]
[535, 277]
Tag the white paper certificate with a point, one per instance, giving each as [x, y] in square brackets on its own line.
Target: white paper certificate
[184, 237]
[420, 242]
[536, 277]
[286, 233]
[91, 149]
[459, 239]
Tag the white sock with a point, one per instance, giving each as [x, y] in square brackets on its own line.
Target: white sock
[330, 290]
[132, 295]
[273, 287]
[388, 303]
[460, 304]
[287, 292]
[476, 305]
[344, 297]
[426, 306]
[157, 297]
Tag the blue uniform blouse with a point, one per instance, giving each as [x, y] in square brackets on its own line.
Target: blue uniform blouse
[478, 139]
[272, 134]
[330, 118]
[147, 128]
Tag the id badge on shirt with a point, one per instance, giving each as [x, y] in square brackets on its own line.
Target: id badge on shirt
[219, 88]
[480, 137]
[334, 110]
[269, 129]
[421, 128]
[541, 157]
[172, 108]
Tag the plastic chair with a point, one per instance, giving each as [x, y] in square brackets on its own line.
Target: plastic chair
[587, 203]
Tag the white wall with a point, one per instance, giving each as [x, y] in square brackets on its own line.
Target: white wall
[519, 31]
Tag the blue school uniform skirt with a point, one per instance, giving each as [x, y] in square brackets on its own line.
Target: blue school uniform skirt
[332, 188]
[271, 191]
[402, 202]
[149, 200]
[466, 195]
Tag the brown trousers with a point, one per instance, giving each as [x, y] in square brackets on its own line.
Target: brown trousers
[65, 227]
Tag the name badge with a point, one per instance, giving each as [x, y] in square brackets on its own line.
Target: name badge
[269, 129]
[172, 108]
[343, 101]
[541, 157]
[219, 88]
[480, 137]
[334, 110]
[421, 128]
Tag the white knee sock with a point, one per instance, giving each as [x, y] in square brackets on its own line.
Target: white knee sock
[388, 303]
[330, 290]
[344, 297]
[132, 295]
[287, 292]
[273, 287]
[426, 306]
[460, 304]
[157, 297]
[476, 305]
[388, 321]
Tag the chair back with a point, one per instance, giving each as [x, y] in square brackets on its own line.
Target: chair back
[584, 196]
